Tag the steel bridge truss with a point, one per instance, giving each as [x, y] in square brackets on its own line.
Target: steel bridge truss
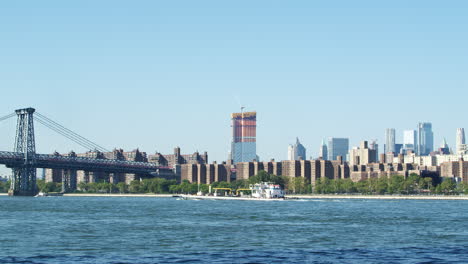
[24, 161]
[23, 182]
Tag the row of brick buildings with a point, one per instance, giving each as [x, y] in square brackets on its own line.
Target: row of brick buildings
[207, 173]
[195, 168]
[455, 169]
[361, 166]
[313, 170]
[171, 161]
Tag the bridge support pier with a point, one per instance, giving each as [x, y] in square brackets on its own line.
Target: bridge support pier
[69, 180]
[116, 177]
[23, 182]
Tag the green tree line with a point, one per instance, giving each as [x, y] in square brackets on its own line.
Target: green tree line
[4, 186]
[396, 184]
[414, 184]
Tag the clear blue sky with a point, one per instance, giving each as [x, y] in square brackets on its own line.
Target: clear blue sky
[159, 74]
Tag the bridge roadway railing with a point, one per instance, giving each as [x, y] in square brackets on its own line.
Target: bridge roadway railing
[15, 159]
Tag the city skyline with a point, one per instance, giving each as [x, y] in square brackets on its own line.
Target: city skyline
[164, 76]
[399, 141]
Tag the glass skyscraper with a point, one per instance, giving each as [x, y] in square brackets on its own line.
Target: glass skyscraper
[338, 147]
[425, 139]
[300, 151]
[409, 140]
[390, 140]
[323, 152]
[460, 140]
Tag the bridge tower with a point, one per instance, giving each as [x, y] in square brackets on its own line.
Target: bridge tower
[24, 178]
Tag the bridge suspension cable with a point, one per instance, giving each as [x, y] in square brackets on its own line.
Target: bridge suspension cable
[60, 132]
[49, 123]
[7, 116]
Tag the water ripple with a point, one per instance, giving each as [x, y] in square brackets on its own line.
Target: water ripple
[148, 230]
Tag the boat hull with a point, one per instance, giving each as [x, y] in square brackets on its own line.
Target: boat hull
[196, 197]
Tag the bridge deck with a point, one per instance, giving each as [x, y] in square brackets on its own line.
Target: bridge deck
[16, 159]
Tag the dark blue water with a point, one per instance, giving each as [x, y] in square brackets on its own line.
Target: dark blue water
[166, 230]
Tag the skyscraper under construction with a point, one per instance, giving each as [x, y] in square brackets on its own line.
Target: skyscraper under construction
[244, 137]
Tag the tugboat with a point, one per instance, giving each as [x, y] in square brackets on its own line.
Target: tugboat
[264, 191]
[267, 190]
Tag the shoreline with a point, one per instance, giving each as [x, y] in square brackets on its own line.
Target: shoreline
[381, 197]
[322, 196]
[118, 195]
[318, 196]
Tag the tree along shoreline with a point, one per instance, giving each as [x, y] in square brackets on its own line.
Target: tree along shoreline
[394, 185]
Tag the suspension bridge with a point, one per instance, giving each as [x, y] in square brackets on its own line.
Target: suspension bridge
[24, 160]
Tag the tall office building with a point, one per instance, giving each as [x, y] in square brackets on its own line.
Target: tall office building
[244, 137]
[390, 140]
[323, 152]
[297, 151]
[338, 147]
[461, 140]
[374, 146]
[409, 140]
[425, 139]
[362, 155]
[399, 149]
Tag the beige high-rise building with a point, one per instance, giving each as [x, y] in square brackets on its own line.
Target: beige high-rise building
[362, 155]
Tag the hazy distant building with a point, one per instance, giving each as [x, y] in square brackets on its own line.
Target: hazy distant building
[337, 147]
[299, 150]
[296, 151]
[374, 146]
[323, 152]
[244, 137]
[398, 148]
[461, 143]
[390, 140]
[290, 152]
[425, 139]
[409, 140]
[444, 148]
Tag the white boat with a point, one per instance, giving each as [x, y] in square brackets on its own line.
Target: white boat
[259, 192]
[266, 190]
[42, 194]
[237, 198]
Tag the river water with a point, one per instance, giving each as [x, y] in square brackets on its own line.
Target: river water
[167, 230]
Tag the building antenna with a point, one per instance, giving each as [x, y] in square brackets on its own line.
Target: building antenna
[237, 99]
